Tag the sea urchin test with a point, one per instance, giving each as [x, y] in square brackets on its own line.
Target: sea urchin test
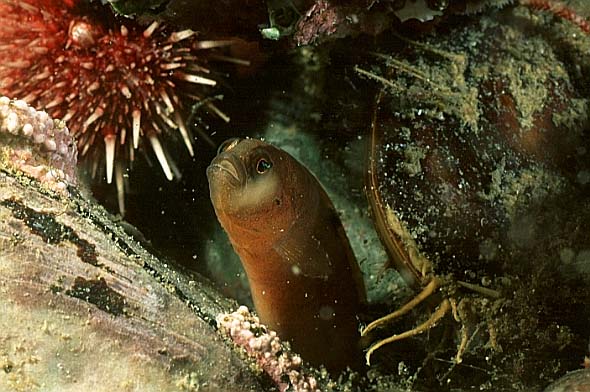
[304, 278]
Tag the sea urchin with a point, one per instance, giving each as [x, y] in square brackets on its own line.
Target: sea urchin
[119, 86]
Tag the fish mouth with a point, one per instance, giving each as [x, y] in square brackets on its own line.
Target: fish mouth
[229, 166]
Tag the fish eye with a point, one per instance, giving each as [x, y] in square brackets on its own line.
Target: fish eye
[228, 145]
[263, 165]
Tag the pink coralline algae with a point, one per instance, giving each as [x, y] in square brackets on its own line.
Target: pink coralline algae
[37, 145]
[262, 344]
[329, 20]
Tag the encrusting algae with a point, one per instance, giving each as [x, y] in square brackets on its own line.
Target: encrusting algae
[33, 143]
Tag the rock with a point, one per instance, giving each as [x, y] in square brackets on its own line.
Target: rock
[86, 307]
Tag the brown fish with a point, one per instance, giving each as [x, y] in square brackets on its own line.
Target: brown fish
[304, 278]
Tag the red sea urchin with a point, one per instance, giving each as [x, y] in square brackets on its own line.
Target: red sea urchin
[118, 86]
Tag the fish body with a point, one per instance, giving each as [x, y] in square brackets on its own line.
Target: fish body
[304, 279]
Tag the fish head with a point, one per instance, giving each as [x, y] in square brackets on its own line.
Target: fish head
[253, 186]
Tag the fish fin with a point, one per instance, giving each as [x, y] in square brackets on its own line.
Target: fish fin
[305, 253]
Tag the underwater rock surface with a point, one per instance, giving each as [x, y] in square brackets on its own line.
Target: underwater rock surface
[85, 307]
[480, 137]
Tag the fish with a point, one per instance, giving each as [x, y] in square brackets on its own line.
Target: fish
[304, 279]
